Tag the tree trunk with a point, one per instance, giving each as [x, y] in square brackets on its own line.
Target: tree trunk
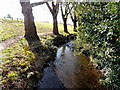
[30, 28]
[75, 26]
[65, 25]
[55, 25]
[54, 11]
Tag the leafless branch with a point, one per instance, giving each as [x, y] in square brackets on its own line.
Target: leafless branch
[57, 9]
[37, 3]
[51, 10]
[62, 11]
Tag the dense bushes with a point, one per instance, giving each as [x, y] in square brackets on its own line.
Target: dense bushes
[99, 29]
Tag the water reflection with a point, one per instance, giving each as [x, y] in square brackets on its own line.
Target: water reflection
[63, 51]
[75, 71]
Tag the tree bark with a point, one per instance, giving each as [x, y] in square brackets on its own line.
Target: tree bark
[74, 20]
[75, 26]
[55, 25]
[65, 25]
[30, 28]
[73, 15]
[54, 11]
[64, 17]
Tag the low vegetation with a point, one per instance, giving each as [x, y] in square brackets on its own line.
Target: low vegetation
[99, 37]
[10, 28]
[22, 68]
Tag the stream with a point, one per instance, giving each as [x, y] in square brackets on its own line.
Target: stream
[70, 70]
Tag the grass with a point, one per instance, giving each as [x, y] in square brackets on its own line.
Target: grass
[10, 28]
[22, 68]
[47, 27]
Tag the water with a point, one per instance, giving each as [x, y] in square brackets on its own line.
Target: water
[72, 70]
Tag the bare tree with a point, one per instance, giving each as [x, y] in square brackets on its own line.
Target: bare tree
[65, 14]
[54, 11]
[30, 28]
[73, 15]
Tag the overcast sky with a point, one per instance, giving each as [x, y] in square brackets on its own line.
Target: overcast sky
[13, 7]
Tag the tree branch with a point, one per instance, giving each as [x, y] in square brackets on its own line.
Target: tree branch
[51, 10]
[72, 17]
[62, 11]
[56, 8]
[37, 3]
[53, 6]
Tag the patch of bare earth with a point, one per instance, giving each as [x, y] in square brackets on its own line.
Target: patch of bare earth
[8, 42]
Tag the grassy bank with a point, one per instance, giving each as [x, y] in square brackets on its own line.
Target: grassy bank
[22, 68]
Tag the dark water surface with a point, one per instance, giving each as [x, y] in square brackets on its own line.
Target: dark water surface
[70, 70]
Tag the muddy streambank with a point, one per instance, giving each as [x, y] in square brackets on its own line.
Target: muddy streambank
[60, 39]
[70, 70]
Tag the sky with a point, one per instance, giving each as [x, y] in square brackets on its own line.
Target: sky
[41, 12]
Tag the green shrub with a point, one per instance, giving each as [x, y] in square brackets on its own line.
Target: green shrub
[99, 28]
[12, 75]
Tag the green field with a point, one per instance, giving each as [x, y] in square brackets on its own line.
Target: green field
[10, 28]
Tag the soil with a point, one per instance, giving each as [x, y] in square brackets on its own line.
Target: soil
[8, 42]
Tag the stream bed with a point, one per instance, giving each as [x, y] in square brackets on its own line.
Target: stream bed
[70, 70]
